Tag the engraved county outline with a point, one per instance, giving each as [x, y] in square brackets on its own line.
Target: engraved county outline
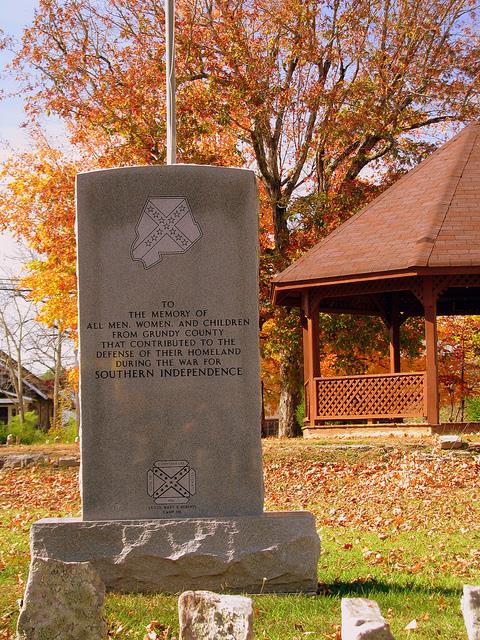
[166, 226]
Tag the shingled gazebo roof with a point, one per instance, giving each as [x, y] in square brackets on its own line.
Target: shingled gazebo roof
[427, 223]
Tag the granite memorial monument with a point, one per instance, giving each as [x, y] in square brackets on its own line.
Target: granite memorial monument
[171, 474]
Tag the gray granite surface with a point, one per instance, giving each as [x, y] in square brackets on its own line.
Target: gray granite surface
[470, 605]
[169, 374]
[273, 552]
[363, 620]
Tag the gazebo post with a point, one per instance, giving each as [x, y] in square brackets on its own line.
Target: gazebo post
[430, 309]
[394, 335]
[311, 353]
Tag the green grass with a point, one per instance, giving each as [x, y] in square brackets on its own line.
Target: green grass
[426, 595]
[414, 566]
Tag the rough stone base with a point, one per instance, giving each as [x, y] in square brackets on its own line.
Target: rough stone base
[62, 600]
[470, 605]
[275, 552]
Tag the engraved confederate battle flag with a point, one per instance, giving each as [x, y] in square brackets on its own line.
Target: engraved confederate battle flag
[166, 226]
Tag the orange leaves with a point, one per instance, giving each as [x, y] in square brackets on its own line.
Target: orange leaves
[104, 75]
[403, 492]
[307, 95]
[38, 488]
[37, 205]
[459, 366]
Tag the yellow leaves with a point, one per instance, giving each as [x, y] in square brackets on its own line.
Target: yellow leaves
[37, 205]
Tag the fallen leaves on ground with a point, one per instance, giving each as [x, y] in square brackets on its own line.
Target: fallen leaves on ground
[25, 491]
[158, 631]
[403, 491]
[393, 494]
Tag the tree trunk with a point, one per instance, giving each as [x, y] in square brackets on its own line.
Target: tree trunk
[279, 213]
[291, 379]
[21, 404]
[57, 409]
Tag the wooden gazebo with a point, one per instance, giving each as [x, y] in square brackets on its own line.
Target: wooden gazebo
[413, 251]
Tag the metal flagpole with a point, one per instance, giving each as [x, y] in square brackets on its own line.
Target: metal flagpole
[171, 85]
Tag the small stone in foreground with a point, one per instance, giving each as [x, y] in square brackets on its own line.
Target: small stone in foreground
[471, 611]
[363, 620]
[63, 600]
[450, 442]
[205, 615]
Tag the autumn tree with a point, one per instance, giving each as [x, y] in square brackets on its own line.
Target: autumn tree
[326, 90]
[312, 94]
[459, 361]
[37, 206]
[54, 354]
[100, 66]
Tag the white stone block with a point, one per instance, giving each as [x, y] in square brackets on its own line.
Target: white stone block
[471, 610]
[63, 600]
[363, 620]
[204, 615]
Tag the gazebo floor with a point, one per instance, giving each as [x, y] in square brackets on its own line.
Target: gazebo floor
[392, 428]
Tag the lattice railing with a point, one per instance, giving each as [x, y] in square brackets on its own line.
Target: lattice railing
[397, 395]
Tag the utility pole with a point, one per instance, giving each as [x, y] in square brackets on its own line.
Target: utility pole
[171, 83]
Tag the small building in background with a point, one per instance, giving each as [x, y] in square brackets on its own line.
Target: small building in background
[36, 393]
[270, 426]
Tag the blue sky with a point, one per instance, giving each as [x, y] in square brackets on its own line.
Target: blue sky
[14, 16]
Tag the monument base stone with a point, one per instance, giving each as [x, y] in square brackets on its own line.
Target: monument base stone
[275, 552]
